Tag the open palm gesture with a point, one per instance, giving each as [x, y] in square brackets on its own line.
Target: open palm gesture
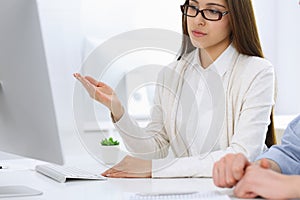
[103, 94]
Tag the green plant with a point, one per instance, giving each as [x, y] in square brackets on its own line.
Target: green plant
[109, 142]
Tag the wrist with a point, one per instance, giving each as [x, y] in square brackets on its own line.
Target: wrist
[116, 116]
[274, 166]
[150, 169]
[269, 164]
[290, 185]
[296, 183]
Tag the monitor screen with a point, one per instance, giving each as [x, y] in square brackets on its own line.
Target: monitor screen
[28, 125]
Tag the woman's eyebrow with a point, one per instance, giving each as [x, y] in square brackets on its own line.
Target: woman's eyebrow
[214, 4]
[195, 1]
[210, 4]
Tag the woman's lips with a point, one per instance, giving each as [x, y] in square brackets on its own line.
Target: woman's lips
[198, 33]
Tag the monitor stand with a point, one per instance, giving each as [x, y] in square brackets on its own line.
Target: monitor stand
[17, 191]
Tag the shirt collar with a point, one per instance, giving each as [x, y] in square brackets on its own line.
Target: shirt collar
[222, 64]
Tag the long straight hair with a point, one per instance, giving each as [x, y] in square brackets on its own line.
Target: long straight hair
[244, 36]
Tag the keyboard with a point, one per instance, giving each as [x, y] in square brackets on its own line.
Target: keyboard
[65, 173]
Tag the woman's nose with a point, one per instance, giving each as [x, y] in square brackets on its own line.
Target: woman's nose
[199, 19]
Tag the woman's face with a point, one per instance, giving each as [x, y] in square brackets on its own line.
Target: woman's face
[207, 34]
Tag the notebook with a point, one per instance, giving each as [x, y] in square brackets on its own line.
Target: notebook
[214, 195]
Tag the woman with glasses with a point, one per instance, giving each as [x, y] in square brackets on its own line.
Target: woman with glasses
[215, 99]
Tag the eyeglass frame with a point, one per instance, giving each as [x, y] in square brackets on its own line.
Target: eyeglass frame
[221, 14]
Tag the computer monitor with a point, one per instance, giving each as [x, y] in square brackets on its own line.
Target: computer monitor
[28, 125]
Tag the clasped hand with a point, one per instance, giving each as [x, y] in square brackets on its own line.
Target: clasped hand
[250, 179]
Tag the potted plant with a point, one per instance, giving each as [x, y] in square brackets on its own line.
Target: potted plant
[109, 142]
[110, 150]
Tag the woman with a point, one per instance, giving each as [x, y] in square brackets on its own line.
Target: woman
[220, 40]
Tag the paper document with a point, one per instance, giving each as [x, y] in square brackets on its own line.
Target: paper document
[215, 195]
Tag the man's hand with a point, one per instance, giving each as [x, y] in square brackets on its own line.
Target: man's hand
[259, 181]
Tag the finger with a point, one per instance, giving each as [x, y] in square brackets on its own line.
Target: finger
[88, 78]
[216, 174]
[80, 78]
[96, 83]
[100, 85]
[245, 194]
[238, 167]
[244, 189]
[88, 86]
[76, 75]
[241, 193]
[250, 195]
[229, 178]
[116, 168]
[239, 190]
[109, 171]
[222, 172]
[123, 175]
[92, 80]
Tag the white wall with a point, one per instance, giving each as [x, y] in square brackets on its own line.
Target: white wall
[104, 19]
[66, 22]
[278, 22]
[60, 20]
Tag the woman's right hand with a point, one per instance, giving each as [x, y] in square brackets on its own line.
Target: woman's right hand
[103, 94]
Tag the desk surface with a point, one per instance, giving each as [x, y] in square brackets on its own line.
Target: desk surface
[110, 189]
[21, 172]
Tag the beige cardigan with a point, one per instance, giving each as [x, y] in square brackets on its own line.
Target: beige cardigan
[248, 100]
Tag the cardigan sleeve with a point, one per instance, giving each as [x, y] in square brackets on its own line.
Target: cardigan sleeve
[255, 109]
[150, 142]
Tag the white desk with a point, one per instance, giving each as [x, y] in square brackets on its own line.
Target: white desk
[111, 189]
[21, 173]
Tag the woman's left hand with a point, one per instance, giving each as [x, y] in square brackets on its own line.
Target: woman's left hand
[130, 167]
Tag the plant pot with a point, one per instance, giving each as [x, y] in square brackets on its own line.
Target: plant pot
[110, 154]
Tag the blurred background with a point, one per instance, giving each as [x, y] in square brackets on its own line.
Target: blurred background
[72, 29]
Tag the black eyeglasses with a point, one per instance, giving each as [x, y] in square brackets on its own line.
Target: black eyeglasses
[208, 14]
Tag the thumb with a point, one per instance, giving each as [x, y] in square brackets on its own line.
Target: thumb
[264, 163]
